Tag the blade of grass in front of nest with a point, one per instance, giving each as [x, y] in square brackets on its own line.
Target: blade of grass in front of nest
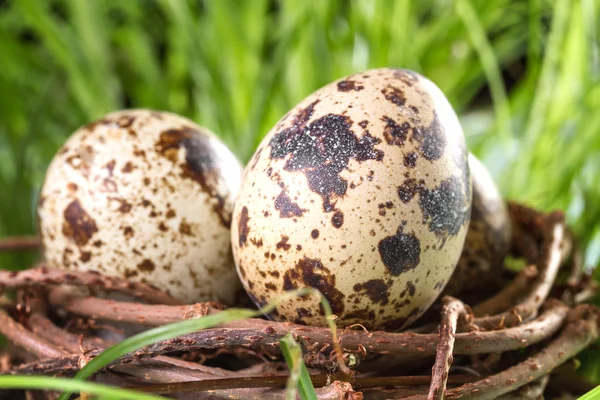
[299, 380]
[490, 66]
[591, 395]
[57, 384]
[170, 331]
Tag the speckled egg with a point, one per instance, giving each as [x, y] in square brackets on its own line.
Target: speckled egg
[148, 196]
[488, 237]
[361, 191]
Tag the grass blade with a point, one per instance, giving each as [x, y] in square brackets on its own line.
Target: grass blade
[299, 379]
[54, 383]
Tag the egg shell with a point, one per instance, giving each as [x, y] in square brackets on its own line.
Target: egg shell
[147, 196]
[488, 238]
[361, 191]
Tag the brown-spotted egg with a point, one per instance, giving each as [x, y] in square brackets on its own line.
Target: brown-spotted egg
[147, 196]
[361, 191]
[488, 237]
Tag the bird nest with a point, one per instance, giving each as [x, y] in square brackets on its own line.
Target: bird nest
[516, 343]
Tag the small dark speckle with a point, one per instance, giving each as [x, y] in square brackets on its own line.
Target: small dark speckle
[283, 243]
[338, 219]
[375, 289]
[243, 228]
[286, 207]
[314, 233]
[395, 134]
[410, 160]
[394, 95]
[348, 85]
[146, 266]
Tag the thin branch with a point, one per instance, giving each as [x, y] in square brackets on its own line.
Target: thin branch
[137, 313]
[576, 336]
[44, 276]
[509, 295]
[20, 243]
[256, 332]
[533, 391]
[548, 268]
[335, 391]
[280, 382]
[452, 310]
[18, 335]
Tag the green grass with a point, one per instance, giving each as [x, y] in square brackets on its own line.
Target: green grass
[237, 66]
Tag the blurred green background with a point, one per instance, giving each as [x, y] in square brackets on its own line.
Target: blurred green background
[524, 77]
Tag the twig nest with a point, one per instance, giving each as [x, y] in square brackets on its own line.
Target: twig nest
[488, 237]
[361, 191]
[147, 196]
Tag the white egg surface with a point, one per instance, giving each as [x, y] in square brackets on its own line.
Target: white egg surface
[147, 196]
[361, 191]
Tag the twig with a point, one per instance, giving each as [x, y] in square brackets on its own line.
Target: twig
[280, 382]
[256, 332]
[20, 243]
[44, 276]
[533, 391]
[21, 337]
[547, 267]
[137, 313]
[508, 296]
[576, 336]
[336, 391]
[452, 310]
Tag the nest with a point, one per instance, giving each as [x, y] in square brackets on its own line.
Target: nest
[515, 344]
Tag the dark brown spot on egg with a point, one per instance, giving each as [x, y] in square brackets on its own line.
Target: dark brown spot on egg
[375, 289]
[85, 256]
[286, 207]
[303, 312]
[400, 252]
[146, 266]
[410, 289]
[124, 206]
[204, 159]
[432, 139]
[314, 233]
[256, 242]
[410, 160]
[322, 150]
[363, 315]
[445, 207]
[348, 85]
[78, 225]
[363, 124]
[406, 76]
[283, 243]
[408, 190]
[311, 273]
[127, 168]
[394, 95]
[185, 228]
[270, 286]
[243, 228]
[394, 134]
[125, 121]
[337, 220]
